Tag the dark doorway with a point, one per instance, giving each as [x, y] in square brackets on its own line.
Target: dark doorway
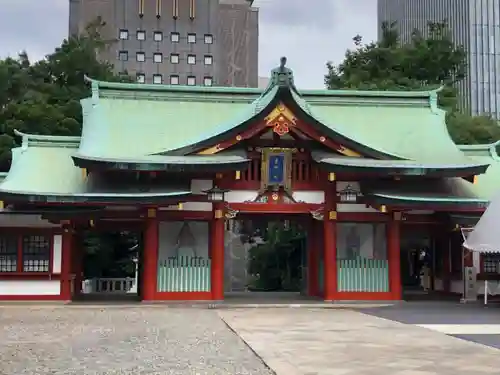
[110, 265]
[265, 254]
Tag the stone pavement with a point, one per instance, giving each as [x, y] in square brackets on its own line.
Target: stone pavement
[113, 340]
[344, 342]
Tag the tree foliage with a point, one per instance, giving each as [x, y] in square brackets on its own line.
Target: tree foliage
[43, 97]
[428, 61]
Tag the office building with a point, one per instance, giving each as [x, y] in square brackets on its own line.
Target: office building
[184, 42]
[475, 24]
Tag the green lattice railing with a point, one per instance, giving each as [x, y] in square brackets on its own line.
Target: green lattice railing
[362, 275]
[184, 274]
[359, 275]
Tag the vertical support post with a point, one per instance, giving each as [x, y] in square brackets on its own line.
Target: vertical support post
[312, 259]
[330, 244]
[447, 264]
[217, 253]
[77, 257]
[150, 269]
[66, 263]
[394, 255]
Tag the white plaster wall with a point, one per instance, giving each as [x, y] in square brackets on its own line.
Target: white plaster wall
[16, 220]
[314, 197]
[57, 253]
[240, 196]
[183, 238]
[30, 288]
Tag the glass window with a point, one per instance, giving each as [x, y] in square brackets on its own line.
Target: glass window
[123, 34]
[140, 56]
[157, 36]
[174, 80]
[209, 60]
[36, 254]
[208, 81]
[209, 38]
[157, 57]
[174, 58]
[123, 55]
[8, 254]
[141, 35]
[175, 37]
[191, 38]
[491, 263]
[141, 77]
[191, 59]
[191, 80]
[157, 79]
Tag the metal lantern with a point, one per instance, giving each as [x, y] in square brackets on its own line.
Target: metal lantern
[216, 194]
[348, 195]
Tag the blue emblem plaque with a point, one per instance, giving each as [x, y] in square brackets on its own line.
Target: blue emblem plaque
[276, 169]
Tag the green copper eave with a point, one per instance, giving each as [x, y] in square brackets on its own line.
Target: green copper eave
[336, 163]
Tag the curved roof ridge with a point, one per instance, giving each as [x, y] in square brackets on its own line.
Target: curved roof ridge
[480, 146]
[53, 140]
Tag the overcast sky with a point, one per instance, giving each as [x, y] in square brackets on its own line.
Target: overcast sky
[308, 32]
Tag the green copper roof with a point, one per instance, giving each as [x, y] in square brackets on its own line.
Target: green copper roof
[124, 120]
[444, 192]
[337, 163]
[42, 168]
[487, 184]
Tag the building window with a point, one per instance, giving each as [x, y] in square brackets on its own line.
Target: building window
[174, 80]
[208, 81]
[8, 254]
[158, 57]
[141, 35]
[175, 37]
[209, 39]
[141, 78]
[157, 79]
[191, 80]
[36, 254]
[209, 60]
[157, 36]
[191, 38]
[191, 59]
[491, 263]
[140, 56]
[123, 34]
[174, 58]
[123, 55]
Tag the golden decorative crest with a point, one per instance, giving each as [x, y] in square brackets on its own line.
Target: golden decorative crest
[281, 119]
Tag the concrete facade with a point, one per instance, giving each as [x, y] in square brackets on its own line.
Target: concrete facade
[475, 25]
[186, 42]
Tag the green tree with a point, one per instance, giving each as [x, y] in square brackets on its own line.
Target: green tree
[43, 97]
[426, 62]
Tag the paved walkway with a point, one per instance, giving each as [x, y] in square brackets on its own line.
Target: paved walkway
[344, 342]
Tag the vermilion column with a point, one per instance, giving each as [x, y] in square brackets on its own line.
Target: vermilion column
[150, 268]
[394, 255]
[217, 253]
[66, 263]
[312, 259]
[330, 245]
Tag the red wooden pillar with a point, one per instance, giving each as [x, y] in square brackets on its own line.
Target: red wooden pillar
[66, 263]
[330, 244]
[312, 259]
[394, 255]
[150, 268]
[217, 253]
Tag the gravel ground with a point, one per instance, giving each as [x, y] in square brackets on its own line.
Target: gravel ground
[145, 340]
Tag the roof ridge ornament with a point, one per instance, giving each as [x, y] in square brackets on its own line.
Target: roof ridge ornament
[282, 77]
